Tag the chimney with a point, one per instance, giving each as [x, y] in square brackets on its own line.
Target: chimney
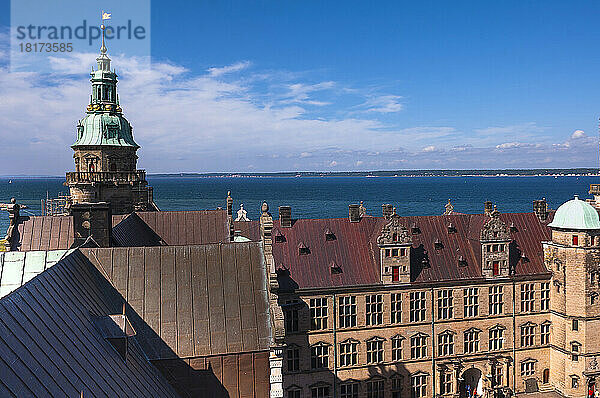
[354, 213]
[229, 204]
[540, 208]
[230, 224]
[92, 224]
[387, 210]
[488, 207]
[285, 216]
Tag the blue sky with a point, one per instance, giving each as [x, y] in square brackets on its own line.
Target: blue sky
[271, 85]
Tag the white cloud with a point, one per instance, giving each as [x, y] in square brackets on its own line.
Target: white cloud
[333, 163]
[578, 134]
[384, 104]
[429, 148]
[237, 67]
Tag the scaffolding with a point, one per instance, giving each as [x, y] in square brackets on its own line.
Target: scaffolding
[56, 206]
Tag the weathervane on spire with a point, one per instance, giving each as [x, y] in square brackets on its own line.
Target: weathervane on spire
[105, 15]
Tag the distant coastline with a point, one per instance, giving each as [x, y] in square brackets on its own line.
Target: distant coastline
[575, 172]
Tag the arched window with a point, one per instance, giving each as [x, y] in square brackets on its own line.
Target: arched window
[546, 376]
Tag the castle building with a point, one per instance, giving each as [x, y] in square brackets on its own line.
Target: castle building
[105, 151]
[118, 298]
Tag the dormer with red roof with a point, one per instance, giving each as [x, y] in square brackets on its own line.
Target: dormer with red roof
[394, 243]
[495, 240]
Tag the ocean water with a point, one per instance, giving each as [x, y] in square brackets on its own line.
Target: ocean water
[326, 197]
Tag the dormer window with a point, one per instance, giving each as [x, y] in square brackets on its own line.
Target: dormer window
[415, 230]
[279, 237]
[303, 249]
[438, 244]
[451, 228]
[334, 268]
[329, 236]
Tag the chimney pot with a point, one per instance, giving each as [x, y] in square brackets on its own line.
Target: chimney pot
[488, 207]
[387, 210]
[540, 208]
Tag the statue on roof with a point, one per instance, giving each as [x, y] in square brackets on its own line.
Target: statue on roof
[241, 214]
[449, 208]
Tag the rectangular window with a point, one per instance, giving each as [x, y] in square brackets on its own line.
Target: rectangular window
[349, 353]
[395, 273]
[376, 389]
[319, 356]
[418, 346]
[396, 348]
[496, 339]
[349, 390]
[417, 306]
[318, 313]
[320, 392]
[575, 324]
[291, 319]
[471, 341]
[545, 296]
[419, 386]
[575, 240]
[347, 311]
[545, 333]
[527, 335]
[446, 382]
[527, 368]
[498, 378]
[445, 344]
[527, 297]
[471, 302]
[496, 300]
[396, 308]
[374, 309]
[496, 268]
[374, 351]
[294, 393]
[445, 303]
[293, 359]
[397, 384]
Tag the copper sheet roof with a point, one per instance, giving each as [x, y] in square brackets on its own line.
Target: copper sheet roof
[354, 249]
[192, 300]
[49, 345]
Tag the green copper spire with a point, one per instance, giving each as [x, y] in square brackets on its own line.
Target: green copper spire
[104, 123]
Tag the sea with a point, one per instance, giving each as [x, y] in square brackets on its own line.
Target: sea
[328, 197]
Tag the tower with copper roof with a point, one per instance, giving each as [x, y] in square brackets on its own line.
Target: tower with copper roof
[105, 152]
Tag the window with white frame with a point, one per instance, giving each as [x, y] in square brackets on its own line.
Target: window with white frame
[374, 309]
[471, 342]
[445, 304]
[347, 311]
[349, 353]
[545, 296]
[318, 313]
[446, 382]
[445, 343]
[319, 356]
[471, 302]
[396, 308]
[418, 346]
[528, 367]
[349, 389]
[496, 300]
[574, 381]
[375, 350]
[376, 388]
[397, 348]
[545, 333]
[527, 335]
[418, 384]
[417, 306]
[527, 297]
[496, 340]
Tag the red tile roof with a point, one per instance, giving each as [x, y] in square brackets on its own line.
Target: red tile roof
[354, 249]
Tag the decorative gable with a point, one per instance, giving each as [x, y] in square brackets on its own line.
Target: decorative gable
[495, 241]
[395, 241]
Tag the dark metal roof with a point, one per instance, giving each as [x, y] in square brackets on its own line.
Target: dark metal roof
[192, 300]
[354, 249]
[50, 346]
[137, 229]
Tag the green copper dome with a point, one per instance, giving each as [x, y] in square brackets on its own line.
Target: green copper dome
[576, 214]
[104, 129]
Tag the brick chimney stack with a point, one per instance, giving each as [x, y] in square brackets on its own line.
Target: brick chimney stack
[285, 216]
[354, 213]
[488, 207]
[540, 208]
